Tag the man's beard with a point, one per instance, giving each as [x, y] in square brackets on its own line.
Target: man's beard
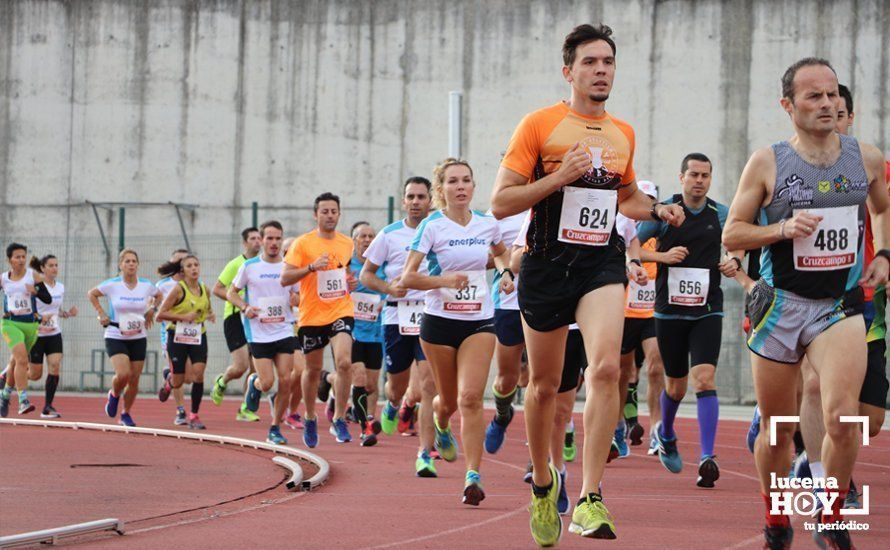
[599, 98]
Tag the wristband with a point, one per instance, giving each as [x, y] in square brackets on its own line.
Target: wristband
[311, 268]
[654, 212]
[635, 261]
[883, 253]
[738, 262]
[510, 271]
[782, 228]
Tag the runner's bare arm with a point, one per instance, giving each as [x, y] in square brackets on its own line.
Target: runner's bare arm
[513, 194]
[636, 205]
[418, 281]
[878, 202]
[369, 278]
[516, 258]
[291, 274]
[219, 290]
[93, 296]
[739, 231]
[164, 313]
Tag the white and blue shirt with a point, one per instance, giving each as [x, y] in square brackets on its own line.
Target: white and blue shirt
[450, 247]
[367, 331]
[127, 307]
[262, 288]
[389, 250]
[49, 313]
[509, 227]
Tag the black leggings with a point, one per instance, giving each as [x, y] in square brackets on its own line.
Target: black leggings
[679, 340]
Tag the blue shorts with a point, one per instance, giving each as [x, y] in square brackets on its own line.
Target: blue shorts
[400, 350]
[508, 327]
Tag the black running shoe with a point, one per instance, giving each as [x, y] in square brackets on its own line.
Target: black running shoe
[324, 387]
[635, 433]
[777, 538]
[833, 539]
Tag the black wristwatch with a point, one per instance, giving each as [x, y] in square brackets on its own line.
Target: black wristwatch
[635, 261]
[883, 253]
[510, 271]
[654, 211]
[738, 262]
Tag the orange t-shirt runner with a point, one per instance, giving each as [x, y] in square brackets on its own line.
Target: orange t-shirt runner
[652, 271]
[536, 150]
[324, 294]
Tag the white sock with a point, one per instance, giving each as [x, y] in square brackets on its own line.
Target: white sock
[570, 427]
[817, 470]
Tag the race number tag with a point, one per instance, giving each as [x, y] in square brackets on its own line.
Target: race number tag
[131, 324]
[272, 309]
[48, 324]
[367, 306]
[20, 304]
[641, 297]
[410, 315]
[469, 299]
[588, 215]
[187, 333]
[688, 286]
[833, 245]
[331, 284]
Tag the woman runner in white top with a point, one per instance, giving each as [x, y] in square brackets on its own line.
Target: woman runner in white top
[130, 300]
[457, 330]
[49, 334]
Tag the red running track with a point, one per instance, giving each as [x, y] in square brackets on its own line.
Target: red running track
[373, 500]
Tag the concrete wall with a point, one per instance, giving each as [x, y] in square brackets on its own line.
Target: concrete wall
[223, 103]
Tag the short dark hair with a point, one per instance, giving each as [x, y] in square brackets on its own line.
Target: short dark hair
[701, 157]
[582, 34]
[417, 179]
[13, 247]
[326, 197]
[246, 233]
[791, 72]
[270, 223]
[848, 97]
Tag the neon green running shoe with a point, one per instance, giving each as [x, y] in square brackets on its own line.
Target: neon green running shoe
[445, 442]
[219, 387]
[389, 418]
[591, 519]
[546, 523]
[246, 415]
[424, 465]
[569, 449]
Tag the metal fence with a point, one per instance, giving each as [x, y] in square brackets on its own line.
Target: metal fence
[84, 263]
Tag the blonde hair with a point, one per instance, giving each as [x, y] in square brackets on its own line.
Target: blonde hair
[124, 252]
[439, 179]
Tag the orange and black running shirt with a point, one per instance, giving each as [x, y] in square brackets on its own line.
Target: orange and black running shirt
[324, 294]
[642, 304]
[536, 150]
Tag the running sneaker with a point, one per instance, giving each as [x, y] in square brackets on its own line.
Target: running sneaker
[324, 387]
[837, 538]
[164, 392]
[424, 465]
[349, 415]
[708, 472]
[562, 501]
[653, 445]
[50, 412]
[245, 415]
[4, 405]
[473, 493]
[569, 449]
[852, 499]
[621, 442]
[388, 418]
[368, 437]
[591, 519]
[110, 405]
[310, 432]
[753, 429]
[294, 421]
[165, 373]
[25, 406]
[219, 388]
[614, 451]
[496, 432]
[181, 419]
[127, 420]
[271, 397]
[667, 452]
[778, 538]
[375, 425]
[195, 422]
[252, 395]
[800, 467]
[528, 472]
[275, 436]
[545, 523]
[406, 415]
[340, 431]
[329, 410]
[445, 442]
[635, 433]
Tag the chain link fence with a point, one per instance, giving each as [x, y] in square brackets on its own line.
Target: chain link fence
[84, 263]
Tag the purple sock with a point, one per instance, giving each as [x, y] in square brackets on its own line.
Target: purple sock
[708, 411]
[668, 411]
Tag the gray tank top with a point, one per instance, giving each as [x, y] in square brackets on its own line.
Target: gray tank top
[800, 185]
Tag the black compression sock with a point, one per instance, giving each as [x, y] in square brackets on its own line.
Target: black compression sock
[360, 405]
[197, 395]
[52, 382]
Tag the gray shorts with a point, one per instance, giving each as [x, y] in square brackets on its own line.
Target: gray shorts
[784, 324]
